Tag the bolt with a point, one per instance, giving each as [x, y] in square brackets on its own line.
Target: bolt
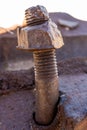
[46, 77]
[40, 35]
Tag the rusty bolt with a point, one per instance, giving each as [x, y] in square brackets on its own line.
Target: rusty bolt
[41, 36]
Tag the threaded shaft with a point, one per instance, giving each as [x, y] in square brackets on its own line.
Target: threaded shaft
[45, 64]
[36, 15]
[31, 20]
[46, 79]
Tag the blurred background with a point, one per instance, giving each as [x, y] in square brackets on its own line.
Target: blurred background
[12, 11]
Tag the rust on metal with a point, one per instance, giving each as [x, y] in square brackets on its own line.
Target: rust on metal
[36, 15]
[46, 76]
[40, 32]
[41, 36]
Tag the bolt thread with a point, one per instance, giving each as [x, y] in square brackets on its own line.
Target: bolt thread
[35, 16]
[45, 64]
[32, 20]
[46, 80]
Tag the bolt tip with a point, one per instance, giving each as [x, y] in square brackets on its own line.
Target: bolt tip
[36, 15]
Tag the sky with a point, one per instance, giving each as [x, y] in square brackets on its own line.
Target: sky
[12, 11]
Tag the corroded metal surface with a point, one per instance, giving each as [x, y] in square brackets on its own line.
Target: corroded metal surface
[46, 77]
[40, 32]
[36, 15]
[42, 37]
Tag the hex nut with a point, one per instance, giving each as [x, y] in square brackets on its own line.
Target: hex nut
[43, 36]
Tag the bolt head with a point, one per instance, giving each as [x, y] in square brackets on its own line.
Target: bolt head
[43, 36]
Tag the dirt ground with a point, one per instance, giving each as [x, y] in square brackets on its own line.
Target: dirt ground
[17, 98]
